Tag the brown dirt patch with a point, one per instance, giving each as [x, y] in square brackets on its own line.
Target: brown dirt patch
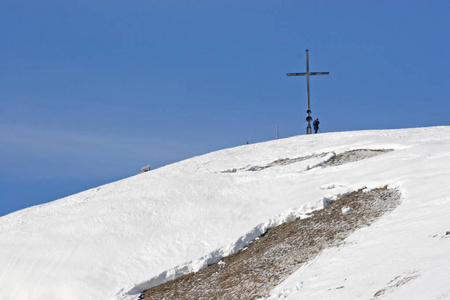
[355, 155]
[336, 160]
[253, 272]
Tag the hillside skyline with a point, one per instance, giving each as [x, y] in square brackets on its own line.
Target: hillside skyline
[115, 241]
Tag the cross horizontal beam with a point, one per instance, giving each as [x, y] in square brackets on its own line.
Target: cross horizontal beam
[306, 74]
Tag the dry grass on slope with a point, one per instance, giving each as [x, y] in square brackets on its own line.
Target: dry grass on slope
[253, 272]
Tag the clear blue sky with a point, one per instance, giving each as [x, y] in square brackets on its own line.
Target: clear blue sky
[91, 91]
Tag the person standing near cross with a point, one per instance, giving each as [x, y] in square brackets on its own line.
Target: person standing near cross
[307, 74]
[316, 125]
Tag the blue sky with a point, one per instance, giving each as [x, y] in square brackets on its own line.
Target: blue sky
[91, 91]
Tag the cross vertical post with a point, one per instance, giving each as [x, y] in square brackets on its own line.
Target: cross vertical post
[307, 74]
[307, 81]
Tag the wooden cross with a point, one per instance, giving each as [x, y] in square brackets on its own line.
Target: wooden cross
[307, 74]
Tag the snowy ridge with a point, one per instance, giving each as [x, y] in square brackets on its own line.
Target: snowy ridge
[241, 243]
[266, 262]
[112, 241]
[215, 256]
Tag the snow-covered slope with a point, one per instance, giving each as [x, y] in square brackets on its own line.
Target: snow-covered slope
[116, 240]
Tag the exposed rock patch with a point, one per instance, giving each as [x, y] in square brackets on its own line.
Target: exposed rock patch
[253, 272]
[276, 163]
[329, 161]
[286, 161]
[396, 283]
[354, 155]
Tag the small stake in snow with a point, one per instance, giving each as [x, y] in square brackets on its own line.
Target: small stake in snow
[307, 74]
[145, 169]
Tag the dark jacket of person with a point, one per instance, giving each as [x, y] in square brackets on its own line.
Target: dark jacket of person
[316, 123]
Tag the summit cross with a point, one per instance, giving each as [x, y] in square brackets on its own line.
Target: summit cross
[307, 74]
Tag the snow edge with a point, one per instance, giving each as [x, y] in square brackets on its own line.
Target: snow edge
[133, 291]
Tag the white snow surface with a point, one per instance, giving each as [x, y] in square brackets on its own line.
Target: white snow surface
[116, 240]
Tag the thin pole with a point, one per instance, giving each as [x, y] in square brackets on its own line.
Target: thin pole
[307, 78]
[308, 112]
[277, 132]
